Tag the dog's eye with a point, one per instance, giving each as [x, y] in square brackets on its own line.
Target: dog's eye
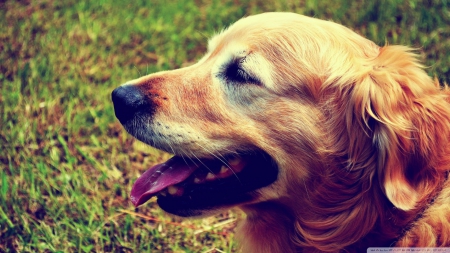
[235, 73]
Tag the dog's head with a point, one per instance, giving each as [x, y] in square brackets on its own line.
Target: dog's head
[280, 107]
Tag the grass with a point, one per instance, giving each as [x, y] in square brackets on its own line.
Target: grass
[66, 164]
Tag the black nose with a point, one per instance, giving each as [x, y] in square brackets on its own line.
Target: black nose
[128, 101]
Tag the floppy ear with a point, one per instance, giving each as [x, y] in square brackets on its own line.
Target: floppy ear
[402, 111]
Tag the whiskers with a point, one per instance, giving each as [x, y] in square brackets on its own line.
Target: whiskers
[138, 71]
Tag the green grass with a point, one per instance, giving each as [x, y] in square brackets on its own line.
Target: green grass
[66, 164]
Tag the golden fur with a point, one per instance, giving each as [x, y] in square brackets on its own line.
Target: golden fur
[360, 134]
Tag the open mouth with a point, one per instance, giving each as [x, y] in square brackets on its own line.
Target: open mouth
[188, 186]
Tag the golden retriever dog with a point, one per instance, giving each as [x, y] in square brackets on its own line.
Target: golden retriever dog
[328, 142]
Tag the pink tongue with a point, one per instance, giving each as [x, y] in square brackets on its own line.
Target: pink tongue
[158, 177]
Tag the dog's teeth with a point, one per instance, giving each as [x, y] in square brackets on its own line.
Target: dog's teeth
[210, 176]
[235, 161]
[223, 169]
[172, 189]
[163, 193]
[197, 180]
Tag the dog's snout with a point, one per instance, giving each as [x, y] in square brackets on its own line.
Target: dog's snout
[128, 100]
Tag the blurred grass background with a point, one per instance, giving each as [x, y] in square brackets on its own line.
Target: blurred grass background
[66, 164]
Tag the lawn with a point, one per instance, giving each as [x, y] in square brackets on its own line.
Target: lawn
[67, 165]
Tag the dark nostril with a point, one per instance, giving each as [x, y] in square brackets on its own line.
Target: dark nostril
[127, 100]
[127, 95]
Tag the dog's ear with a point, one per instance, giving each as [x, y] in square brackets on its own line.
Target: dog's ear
[401, 110]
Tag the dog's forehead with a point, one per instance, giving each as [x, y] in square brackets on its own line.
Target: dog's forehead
[263, 32]
[244, 37]
[222, 43]
[243, 29]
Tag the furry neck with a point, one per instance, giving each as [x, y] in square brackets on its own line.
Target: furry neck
[268, 228]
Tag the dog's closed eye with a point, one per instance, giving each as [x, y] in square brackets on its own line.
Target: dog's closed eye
[236, 74]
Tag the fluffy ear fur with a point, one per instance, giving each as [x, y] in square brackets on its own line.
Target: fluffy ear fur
[392, 102]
